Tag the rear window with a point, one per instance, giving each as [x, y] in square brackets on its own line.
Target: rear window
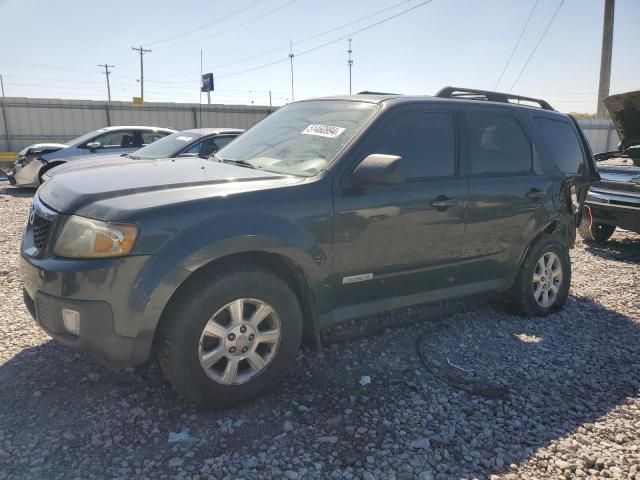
[498, 145]
[563, 144]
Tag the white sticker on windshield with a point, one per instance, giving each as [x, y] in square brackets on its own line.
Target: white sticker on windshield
[328, 131]
[184, 139]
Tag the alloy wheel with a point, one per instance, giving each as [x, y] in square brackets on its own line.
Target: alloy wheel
[239, 341]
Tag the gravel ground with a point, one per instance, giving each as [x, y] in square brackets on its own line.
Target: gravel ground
[564, 391]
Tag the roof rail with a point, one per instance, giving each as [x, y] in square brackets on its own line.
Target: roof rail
[366, 92]
[472, 94]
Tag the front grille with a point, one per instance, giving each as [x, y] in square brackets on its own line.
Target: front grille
[626, 187]
[41, 231]
[619, 171]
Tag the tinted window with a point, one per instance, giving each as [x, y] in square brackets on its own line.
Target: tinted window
[150, 137]
[424, 140]
[563, 144]
[119, 139]
[208, 147]
[497, 144]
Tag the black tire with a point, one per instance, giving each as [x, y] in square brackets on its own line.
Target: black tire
[184, 321]
[523, 288]
[46, 168]
[595, 232]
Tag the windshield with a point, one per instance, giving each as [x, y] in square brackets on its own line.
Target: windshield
[85, 137]
[301, 138]
[166, 146]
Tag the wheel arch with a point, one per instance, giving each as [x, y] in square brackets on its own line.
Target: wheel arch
[45, 168]
[282, 266]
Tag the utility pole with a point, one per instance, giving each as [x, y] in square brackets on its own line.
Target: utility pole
[270, 104]
[4, 116]
[350, 63]
[291, 61]
[605, 59]
[141, 51]
[107, 72]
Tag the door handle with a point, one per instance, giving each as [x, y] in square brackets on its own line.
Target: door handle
[535, 194]
[443, 202]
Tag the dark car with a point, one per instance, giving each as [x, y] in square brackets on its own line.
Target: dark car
[615, 200]
[197, 142]
[327, 210]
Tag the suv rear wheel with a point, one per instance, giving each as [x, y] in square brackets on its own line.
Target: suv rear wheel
[225, 342]
[595, 232]
[542, 286]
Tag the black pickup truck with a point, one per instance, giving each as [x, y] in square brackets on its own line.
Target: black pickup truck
[328, 209]
[614, 201]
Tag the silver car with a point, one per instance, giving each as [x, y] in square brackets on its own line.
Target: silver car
[198, 142]
[29, 168]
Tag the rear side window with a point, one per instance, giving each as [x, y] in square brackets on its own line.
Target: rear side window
[498, 145]
[424, 140]
[150, 137]
[563, 144]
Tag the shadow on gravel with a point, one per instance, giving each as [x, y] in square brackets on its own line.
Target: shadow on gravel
[562, 372]
[16, 192]
[626, 250]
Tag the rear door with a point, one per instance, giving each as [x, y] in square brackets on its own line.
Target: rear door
[508, 194]
[395, 240]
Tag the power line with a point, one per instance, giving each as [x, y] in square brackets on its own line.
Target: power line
[251, 20]
[208, 24]
[298, 42]
[537, 45]
[515, 47]
[106, 73]
[343, 37]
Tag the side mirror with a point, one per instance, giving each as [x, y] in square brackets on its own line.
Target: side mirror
[93, 146]
[379, 169]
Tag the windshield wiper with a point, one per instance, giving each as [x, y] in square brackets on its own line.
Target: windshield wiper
[241, 163]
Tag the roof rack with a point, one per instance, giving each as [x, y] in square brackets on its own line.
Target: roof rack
[472, 94]
[366, 92]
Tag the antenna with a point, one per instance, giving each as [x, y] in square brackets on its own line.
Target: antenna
[291, 61]
[350, 63]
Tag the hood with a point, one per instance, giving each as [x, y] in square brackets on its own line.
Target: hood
[89, 162]
[41, 147]
[624, 110]
[104, 192]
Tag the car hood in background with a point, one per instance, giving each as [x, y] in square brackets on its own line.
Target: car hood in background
[89, 162]
[624, 110]
[105, 192]
[41, 147]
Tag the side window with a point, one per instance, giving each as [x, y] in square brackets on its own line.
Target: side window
[424, 140]
[208, 147]
[563, 144]
[498, 145]
[118, 139]
[150, 137]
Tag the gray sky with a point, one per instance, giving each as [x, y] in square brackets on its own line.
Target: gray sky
[51, 49]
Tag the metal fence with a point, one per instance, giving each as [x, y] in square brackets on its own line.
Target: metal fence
[31, 120]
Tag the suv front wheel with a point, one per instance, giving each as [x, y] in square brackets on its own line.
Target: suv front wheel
[542, 286]
[229, 340]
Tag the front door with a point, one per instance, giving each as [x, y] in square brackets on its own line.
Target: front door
[395, 240]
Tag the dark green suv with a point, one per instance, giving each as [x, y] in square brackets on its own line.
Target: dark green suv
[327, 210]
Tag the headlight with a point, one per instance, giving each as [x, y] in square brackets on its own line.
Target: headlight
[86, 238]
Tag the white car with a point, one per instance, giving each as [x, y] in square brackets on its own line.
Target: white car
[35, 160]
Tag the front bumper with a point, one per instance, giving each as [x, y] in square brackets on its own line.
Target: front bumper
[119, 300]
[25, 174]
[614, 209]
